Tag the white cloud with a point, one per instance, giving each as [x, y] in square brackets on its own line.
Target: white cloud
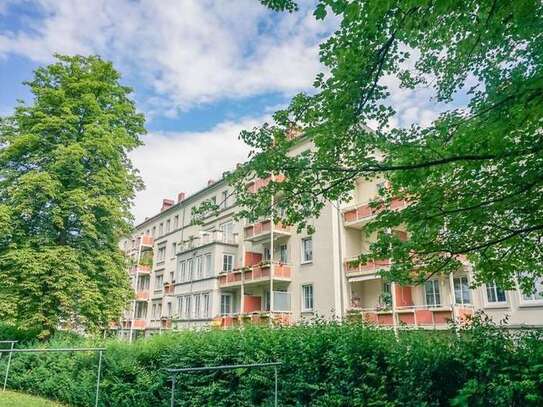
[170, 163]
[187, 51]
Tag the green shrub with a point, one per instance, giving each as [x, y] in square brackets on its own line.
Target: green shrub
[324, 364]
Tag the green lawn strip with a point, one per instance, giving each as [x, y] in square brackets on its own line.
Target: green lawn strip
[13, 399]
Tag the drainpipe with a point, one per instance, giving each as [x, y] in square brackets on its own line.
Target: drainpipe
[138, 258]
[342, 283]
[394, 315]
[272, 266]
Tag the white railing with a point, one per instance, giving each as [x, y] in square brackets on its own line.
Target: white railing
[207, 238]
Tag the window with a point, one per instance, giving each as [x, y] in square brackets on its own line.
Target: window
[161, 229]
[169, 314]
[141, 310]
[206, 304]
[283, 254]
[159, 282]
[154, 310]
[143, 283]
[224, 199]
[307, 298]
[182, 271]
[267, 254]
[462, 293]
[228, 263]
[199, 267]
[154, 231]
[188, 308]
[227, 230]
[494, 293]
[168, 224]
[536, 295]
[189, 270]
[172, 277]
[161, 255]
[208, 265]
[226, 304]
[431, 289]
[307, 250]
[176, 221]
[174, 248]
[180, 306]
[197, 306]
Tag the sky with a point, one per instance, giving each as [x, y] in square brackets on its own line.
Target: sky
[201, 70]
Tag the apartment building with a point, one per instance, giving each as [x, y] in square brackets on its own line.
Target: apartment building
[227, 272]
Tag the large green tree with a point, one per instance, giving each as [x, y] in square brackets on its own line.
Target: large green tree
[473, 178]
[66, 186]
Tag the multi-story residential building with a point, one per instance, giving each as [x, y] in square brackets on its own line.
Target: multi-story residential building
[226, 272]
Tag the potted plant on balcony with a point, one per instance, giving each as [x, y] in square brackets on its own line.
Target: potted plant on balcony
[385, 302]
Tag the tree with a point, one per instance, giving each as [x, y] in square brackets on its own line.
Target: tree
[473, 178]
[66, 186]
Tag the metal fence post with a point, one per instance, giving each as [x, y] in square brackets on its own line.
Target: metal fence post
[275, 372]
[172, 401]
[8, 365]
[98, 375]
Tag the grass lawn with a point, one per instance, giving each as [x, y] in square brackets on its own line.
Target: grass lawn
[13, 399]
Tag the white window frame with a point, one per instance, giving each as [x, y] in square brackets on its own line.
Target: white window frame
[199, 268]
[434, 294]
[493, 286]
[533, 300]
[231, 304]
[206, 297]
[208, 265]
[283, 249]
[182, 270]
[190, 269]
[228, 267]
[311, 298]
[161, 254]
[303, 253]
[460, 301]
[197, 305]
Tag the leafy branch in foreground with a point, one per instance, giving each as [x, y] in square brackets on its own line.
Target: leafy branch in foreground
[473, 178]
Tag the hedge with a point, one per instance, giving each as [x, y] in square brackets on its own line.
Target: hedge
[324, 364]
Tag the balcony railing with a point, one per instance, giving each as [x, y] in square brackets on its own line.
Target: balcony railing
[256, 318]
[256, 273]
[262, 230]
[142, 295]
[255, 185]
[207, 238]
[139, 269]
[359, 214]
[352, 267]
[139, 324]
[422, 316]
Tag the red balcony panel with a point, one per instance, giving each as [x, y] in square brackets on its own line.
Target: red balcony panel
[281, 270]
[424, 317]
[442, 317]
[408, 319]
[139, 324]
[403, 296]
[222, 279]
[371, 317]
[385, 319]
[142, 295]
[147, 240]
[464, 314]
[252, 303]
[252, 258]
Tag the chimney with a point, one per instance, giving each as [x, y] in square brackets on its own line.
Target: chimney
[180, 196]
[166, 203]
[210, 182]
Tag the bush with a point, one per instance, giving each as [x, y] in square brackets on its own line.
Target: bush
[324, 364]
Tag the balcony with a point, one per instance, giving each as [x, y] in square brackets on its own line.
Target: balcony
[207, 238]
[140, 269]
[357, 216]
[169, 288]
[142, 295]
[355, 270]
[262, 231]
[255, 185]
[255, 274]
[166, 322]
[139, 324]
[257, 318]
[413, 316]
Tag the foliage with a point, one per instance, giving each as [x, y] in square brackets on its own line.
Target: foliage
[66, 185]
[12, 399]
[472, 178]
[324, 364]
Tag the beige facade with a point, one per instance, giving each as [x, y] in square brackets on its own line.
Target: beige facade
[226, 272]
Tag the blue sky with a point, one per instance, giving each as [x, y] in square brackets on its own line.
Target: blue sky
[202, 70]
